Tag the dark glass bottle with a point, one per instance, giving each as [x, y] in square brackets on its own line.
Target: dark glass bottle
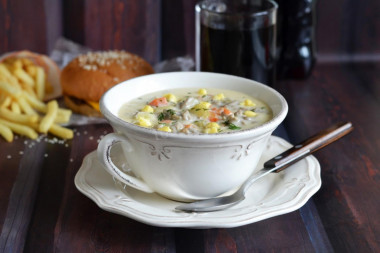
[296, 39]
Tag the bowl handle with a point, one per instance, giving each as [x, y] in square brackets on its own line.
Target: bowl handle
[104, 156]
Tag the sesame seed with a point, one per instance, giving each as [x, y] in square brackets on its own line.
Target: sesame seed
[93, 60]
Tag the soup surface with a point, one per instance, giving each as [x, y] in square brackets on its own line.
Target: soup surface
[196, 110]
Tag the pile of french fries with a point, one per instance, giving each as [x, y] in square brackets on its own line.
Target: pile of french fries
[23, 85]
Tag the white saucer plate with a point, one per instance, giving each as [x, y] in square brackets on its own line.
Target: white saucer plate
[273, 195]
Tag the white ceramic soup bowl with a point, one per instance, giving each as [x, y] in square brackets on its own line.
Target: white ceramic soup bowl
[186, 167]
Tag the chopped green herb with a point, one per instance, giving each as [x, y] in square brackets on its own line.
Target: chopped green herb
[230, 125]
[161, 116]
[233, 127]
[166, 114]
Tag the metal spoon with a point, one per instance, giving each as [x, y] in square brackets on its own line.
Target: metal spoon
[276, 164]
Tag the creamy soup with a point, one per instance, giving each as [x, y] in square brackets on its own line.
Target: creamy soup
[192, 110]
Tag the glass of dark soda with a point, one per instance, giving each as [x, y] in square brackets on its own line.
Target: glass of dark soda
[237, 37]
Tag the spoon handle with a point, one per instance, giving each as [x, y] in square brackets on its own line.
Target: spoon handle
[308, 146]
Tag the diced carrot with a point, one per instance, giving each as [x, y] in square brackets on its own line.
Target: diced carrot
[226, 111]
[159, 102]
[216, 110]
[213, 117]
[188, 126]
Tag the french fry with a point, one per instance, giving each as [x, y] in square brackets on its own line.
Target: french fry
[17, 64]
[15, 107]
[6, 102]
[31, 70]
[40, 83]
[62, 132]
[4, 71]
[35, 103]
[23, 76]
[17, 117]
[60, 119]
[29, 90]
[7, 76]
[48, 120]
[20, 129]
[10, 89]
[25, 107]
[6, 132]
[2, 97]
[26, 62]
[64, 115]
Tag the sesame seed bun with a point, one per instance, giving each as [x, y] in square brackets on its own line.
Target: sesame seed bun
[88, 76]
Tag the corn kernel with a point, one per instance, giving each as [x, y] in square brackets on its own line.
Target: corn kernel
[144, 122]
[250, 114]
[212, 124]
[202, 105]
[202, 92]
[201, 109]
[147, 108]
[202, 113]
[146, 119]
[165, 129]
[211, 130]
[170, 97]
[220, 96]
[247, 102]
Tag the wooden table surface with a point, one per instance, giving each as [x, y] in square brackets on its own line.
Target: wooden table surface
[42, 211]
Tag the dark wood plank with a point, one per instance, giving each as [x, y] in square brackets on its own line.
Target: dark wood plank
[347, 30]
[284, 233]
[19, 208]
[57, 178]
[119, 24]
[32, 25]
[11, 155]
[315, 229]
[350, 167]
